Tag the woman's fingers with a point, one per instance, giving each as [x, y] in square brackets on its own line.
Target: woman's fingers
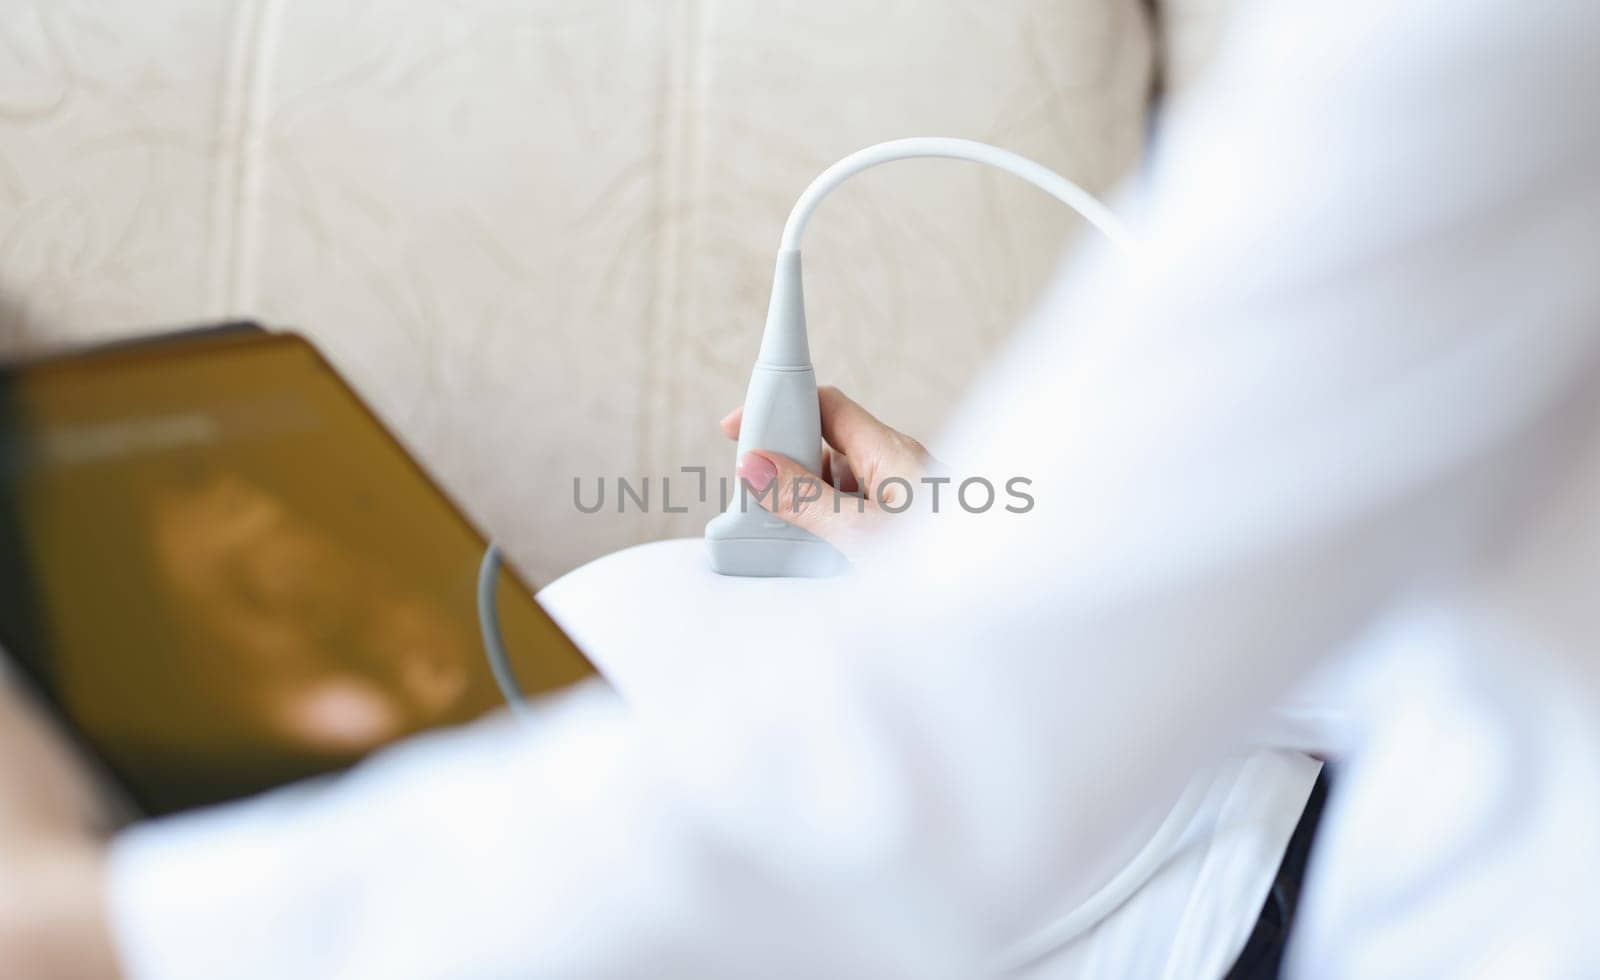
[804, 499]
[837, 471]
[859, 454]
[846, 426]
[857, 433]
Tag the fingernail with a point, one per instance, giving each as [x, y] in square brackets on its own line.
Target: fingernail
[757, 471]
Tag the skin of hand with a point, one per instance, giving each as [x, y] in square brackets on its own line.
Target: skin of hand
[859, 454]
[52, 856]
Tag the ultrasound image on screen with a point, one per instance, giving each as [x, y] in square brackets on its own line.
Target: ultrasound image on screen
[225, 575]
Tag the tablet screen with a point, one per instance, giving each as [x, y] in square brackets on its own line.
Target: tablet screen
[224, 574]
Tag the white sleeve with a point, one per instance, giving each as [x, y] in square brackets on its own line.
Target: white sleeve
[1370, 284]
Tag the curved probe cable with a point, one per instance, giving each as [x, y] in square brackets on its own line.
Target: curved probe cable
[1161, 848]
[946, 147]
[1163, 843]
[489, 624]
[951, 148]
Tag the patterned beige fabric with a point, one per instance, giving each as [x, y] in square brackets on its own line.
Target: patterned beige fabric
[537, 236]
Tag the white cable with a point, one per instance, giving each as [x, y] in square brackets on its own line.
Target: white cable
[947, 147]
[1160, 849]
[1163, 844]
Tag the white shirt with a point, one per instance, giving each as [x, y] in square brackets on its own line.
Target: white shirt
[1347, 396]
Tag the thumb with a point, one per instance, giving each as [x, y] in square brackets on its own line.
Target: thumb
[802, 498]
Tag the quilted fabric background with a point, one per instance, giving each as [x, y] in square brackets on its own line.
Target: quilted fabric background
[538, 236]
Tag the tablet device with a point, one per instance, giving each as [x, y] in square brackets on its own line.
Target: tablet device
[221, 573]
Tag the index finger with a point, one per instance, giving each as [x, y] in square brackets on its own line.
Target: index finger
[846, 426]
[731, 422]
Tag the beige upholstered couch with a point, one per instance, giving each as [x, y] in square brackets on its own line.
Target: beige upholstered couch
[537, 236]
